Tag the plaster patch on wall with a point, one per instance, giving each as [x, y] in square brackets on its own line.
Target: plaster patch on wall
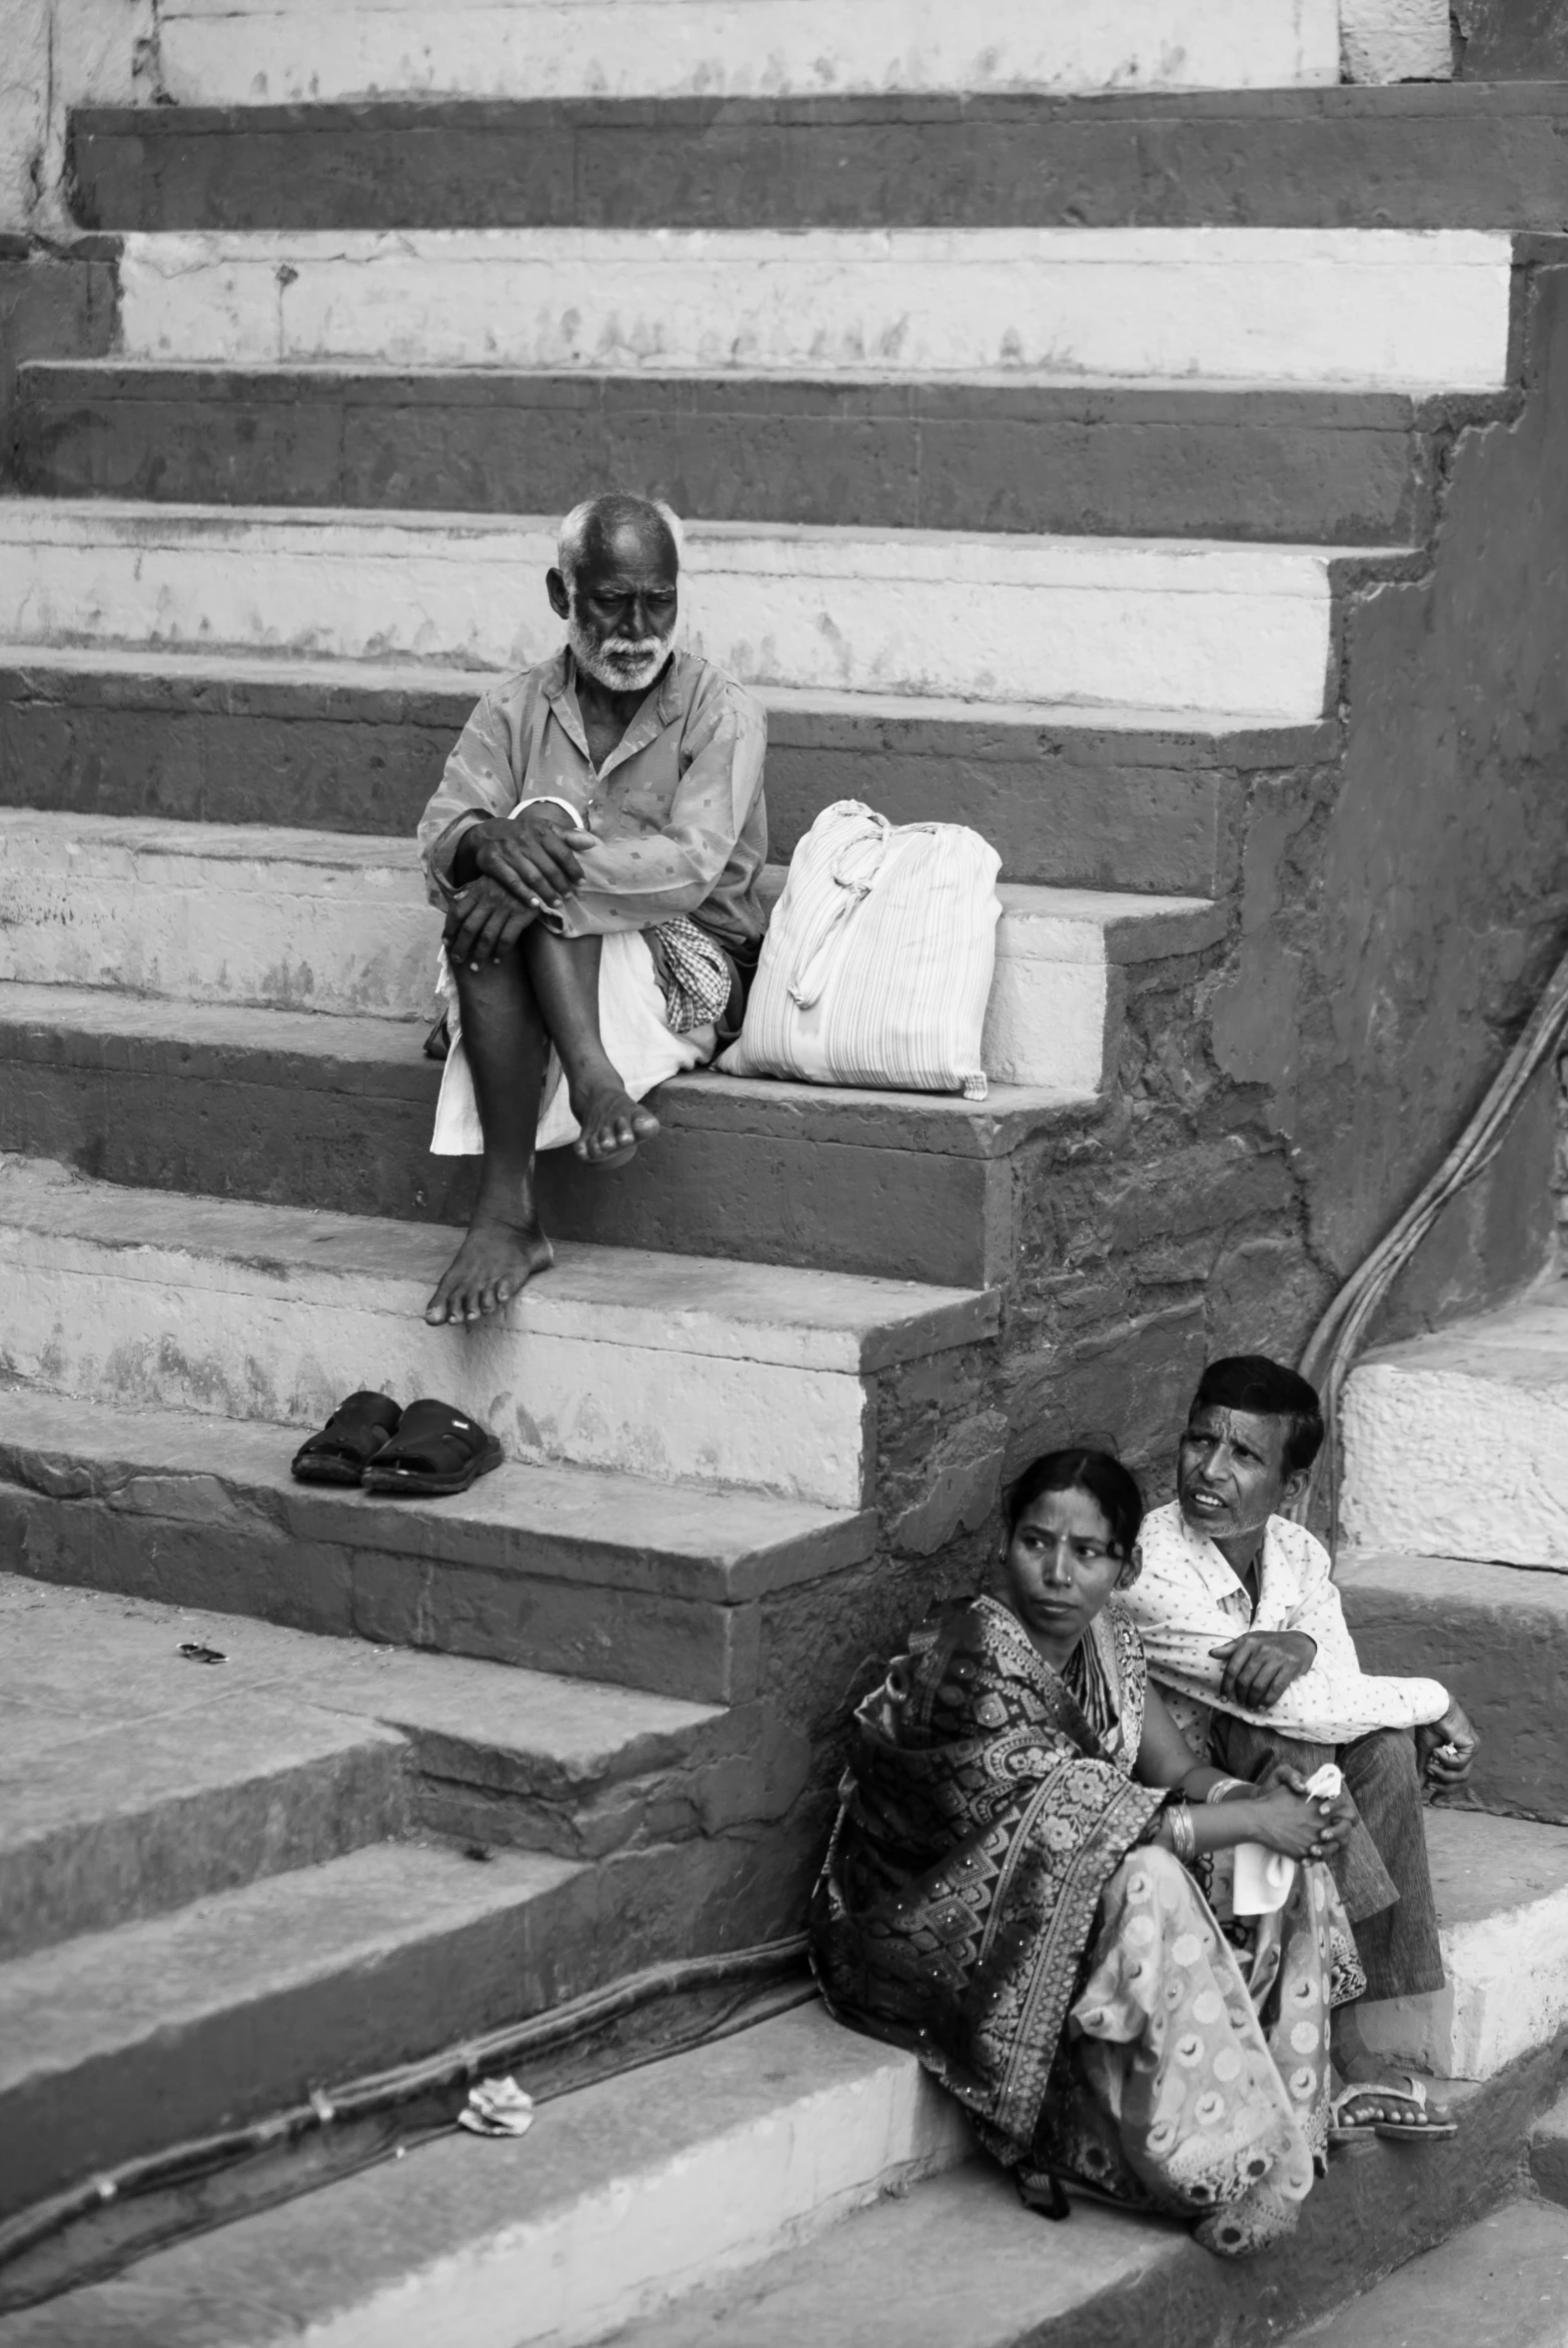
[1396, 40]
[58, 54]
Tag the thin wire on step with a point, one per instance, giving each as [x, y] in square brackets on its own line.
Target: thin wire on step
[773, 1972]
[1334, 1343]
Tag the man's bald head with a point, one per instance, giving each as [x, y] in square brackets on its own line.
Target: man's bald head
[617, 584]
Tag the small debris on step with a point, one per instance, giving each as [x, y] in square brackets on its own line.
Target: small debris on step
[195, 1652]
[498, 2107]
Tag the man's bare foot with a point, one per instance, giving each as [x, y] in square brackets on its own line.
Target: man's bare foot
[613, 1125]
[495, 1263]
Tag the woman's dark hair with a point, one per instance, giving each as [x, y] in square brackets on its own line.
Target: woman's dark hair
[1252, 1382]
[1112, 1486]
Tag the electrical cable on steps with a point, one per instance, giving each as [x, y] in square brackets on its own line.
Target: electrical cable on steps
[1332, 1347]
[767, 1979]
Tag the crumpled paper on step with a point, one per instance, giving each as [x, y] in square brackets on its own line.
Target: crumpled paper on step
[498, 2107]
[1263, 1878]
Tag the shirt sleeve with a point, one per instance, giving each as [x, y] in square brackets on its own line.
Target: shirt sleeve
[478, 782]
[635, 875]
[1335, 1695]
[1333, 1701]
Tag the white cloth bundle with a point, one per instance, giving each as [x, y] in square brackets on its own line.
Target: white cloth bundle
[1263, 1876]
[877, 963]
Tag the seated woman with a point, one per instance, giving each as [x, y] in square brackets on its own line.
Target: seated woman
[1007, 1894]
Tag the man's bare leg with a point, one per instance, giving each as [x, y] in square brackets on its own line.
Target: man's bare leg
[565, 973]
[506, 1046]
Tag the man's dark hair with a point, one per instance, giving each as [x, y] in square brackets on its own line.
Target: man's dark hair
[1250, 1381]
[1113, 1487]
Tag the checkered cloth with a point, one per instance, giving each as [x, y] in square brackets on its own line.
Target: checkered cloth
[693, 972]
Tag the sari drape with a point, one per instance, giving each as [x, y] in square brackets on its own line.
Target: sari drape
[992, 1899]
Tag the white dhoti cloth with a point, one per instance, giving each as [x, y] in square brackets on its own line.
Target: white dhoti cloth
[632, 1023]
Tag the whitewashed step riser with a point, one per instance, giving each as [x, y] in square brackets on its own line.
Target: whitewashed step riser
[294, 921]
[1456, 1445]
[1111, 622]
[677, 1370]
[223, 55]
[1372, 309]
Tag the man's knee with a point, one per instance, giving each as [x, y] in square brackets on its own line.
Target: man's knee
[1383, 1763]
[1243, 1749]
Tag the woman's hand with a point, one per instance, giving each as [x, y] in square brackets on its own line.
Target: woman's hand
[1286, 1821]
[1337, 1811]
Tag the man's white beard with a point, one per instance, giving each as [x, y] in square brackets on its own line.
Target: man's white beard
[622, 664]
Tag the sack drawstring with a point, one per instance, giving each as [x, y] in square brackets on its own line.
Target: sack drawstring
[807, 985]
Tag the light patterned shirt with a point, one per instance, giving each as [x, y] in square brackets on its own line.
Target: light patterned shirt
[676, 809]
[1186, 1599]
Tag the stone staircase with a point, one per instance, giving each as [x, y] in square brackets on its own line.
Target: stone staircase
[1107, 429]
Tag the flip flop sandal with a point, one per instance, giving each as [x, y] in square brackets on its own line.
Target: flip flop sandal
[436, 1450]
[355, 1432]
[1342, 2131]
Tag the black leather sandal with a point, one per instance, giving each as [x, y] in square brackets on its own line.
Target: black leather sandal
[436, 1450]
[355, 1432]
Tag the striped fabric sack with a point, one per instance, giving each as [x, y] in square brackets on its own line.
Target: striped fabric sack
[876, 967]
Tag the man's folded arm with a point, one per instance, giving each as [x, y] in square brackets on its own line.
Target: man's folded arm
[478, 782]
[633, 877]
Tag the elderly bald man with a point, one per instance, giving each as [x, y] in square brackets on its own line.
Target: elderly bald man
[596, 844]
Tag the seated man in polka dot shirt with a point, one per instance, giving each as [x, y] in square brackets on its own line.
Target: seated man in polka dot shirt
[1245, 1634]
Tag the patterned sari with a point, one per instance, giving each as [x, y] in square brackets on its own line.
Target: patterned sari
[992, 1899]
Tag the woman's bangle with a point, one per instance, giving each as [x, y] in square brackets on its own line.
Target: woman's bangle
[1226, 1786]
[1183, 1834]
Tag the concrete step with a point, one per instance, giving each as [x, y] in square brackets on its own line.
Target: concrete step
[1156, 625]
[671, 1368]
[109, 1813]
[212, 53]
[1502, 1896]
[622, 2197]
[322, 922]
[1498, 2284]
[1457, 1445]
[699, 1823]
[701, 1596]
[117, 2042]
[1497, 1636]
[1366, 309]
[1414, 155]
[1324, 466]
[308, 1110]
[906, 2270]
[1068, 797]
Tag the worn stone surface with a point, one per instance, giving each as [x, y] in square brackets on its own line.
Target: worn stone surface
[1497, 1639]
[601, 1578]
[1319, 467]
[703, 2164]
[1061, 798]
[1423, 1422]
[1103, 2279]
[1511, 40]
[106, 1819]
[1498, 2284]
[57, 300]
[272, 1990]
[1406, 158]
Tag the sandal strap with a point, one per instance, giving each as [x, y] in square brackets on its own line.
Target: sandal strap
[357, 1429]
[432, 1439]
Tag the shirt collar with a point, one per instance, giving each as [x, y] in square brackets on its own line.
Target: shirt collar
[1220, 1578]
[655, 713]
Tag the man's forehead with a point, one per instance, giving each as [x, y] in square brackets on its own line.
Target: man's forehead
[1257, 1430]
[628, 550]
